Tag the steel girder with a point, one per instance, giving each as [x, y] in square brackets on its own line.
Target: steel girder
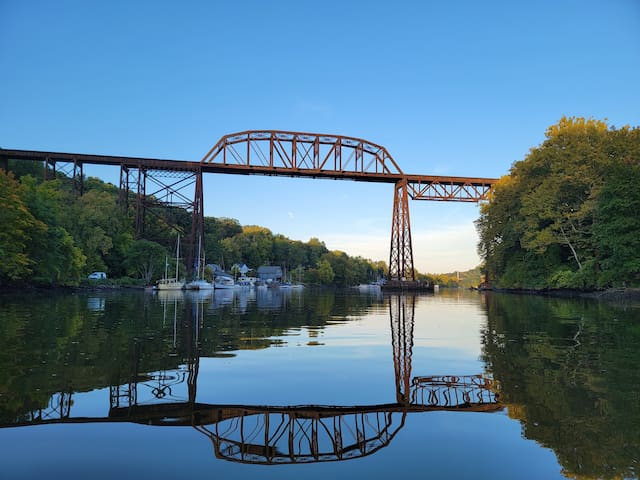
[401, 254]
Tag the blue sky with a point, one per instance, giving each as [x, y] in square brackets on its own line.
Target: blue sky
[459, 88]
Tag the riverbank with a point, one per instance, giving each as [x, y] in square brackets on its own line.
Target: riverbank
[620, 295]
[98, 287]
[616, 295]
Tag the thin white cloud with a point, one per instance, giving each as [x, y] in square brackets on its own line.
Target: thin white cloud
[448, 249]
[375, 247]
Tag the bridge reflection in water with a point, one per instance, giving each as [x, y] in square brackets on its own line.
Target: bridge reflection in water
[286, 434]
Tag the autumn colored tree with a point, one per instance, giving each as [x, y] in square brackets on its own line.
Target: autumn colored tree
[18, 227]
[550, 222]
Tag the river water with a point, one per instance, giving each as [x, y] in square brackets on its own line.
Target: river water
[279, 383]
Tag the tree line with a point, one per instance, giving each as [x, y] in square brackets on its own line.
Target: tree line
[568, 214]
[52, 236]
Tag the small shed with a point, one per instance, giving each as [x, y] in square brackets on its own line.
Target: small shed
[269, 273]
[215, 268]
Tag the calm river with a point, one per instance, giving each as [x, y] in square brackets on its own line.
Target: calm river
[273, 384]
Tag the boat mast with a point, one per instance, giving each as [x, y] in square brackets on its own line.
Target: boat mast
[177, 256]
[166, 267]
[198, 258]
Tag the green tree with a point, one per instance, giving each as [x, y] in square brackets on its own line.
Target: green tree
[546, 224]
[561, 180]
[56, 257]
[617, 226]
[146, 259]
[230, 252]
[297, 254]
[316, 249]
[101, 229]
[255, 245]
[18, 228]
[325, 272]
[500, 229]
[215, 231]
[339, 265]
[312, 276]
[21, 168]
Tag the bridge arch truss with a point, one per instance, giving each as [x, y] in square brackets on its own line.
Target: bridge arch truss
[297, 154]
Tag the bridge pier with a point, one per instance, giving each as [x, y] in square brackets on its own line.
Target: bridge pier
[197, 221]
[401, 255]
[141, 207]
[159, 188]
[49, 164]
[78, 177]
[72, 168]
[123, 190]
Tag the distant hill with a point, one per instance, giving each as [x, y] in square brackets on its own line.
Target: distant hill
[467, 279]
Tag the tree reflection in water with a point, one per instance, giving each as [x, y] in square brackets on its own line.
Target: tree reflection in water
[568, 371]
[272, 434]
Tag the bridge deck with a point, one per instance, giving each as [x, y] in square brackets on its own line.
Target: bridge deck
[191, 166]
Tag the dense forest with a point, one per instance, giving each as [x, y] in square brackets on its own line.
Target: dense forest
[568, 215]
[52, 236]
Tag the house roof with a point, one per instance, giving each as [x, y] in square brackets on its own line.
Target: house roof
[241, 268]
[266, 270]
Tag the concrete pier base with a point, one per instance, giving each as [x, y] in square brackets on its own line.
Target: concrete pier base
[407, 286]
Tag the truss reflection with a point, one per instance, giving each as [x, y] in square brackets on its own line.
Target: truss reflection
[272, 435]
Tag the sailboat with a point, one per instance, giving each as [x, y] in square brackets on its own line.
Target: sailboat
[167, 283]
[199, 283]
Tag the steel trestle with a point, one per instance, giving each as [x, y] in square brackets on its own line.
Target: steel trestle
[270, 152]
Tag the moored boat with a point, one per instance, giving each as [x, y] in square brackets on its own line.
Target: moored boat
[221, 282]
[200, 284]
[175, 283]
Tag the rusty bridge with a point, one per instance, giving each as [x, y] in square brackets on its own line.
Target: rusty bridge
[268, 152]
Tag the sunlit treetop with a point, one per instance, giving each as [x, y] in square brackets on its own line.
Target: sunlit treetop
[576, 125]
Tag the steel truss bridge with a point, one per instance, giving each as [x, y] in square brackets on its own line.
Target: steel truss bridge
[276, 435]
[155, 182]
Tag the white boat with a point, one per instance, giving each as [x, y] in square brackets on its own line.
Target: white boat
[244, 281]
[167, 283]
[199, 283]
[224, 282]
[170, 284]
